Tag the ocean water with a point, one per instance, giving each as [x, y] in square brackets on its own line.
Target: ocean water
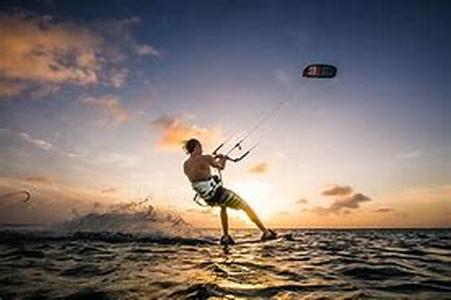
[303, 264]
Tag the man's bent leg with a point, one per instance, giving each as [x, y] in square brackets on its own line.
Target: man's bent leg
[226, 239]
[224, 221]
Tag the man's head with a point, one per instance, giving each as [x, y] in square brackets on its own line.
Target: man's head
[192, 145]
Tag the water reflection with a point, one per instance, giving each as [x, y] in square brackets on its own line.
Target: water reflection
[309, 264]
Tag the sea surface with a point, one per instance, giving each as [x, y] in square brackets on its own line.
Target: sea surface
[302, 264]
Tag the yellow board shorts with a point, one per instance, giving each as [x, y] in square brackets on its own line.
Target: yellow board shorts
[227, 198]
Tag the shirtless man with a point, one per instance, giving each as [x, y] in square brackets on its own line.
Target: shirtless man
[208, 187]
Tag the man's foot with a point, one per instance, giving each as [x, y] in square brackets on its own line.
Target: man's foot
[268, 235]
[227, 240]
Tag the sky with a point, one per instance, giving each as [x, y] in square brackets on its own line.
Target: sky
[97, 97]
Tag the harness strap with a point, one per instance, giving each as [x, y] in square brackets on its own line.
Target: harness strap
[218, 181]
[198, 202]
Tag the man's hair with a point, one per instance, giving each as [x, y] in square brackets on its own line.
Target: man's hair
[190, 145]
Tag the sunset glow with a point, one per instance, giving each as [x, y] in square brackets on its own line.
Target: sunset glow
[94, 110]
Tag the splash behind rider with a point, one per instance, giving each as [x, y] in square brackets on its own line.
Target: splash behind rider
[198, 170]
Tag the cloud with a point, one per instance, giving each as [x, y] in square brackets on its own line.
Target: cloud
[283, 213]
[40, 179]
[117, 159]
[409, 155]
[145, 50]
[111, 111]
[41, 50]
[384, 210]
[44, 90]
[302, 201]
[33, 49]
[44, 145]
[349, 202]
[175, 130]
[110, 190]
[259, 168]
[337, 190]
[118, 77]
[35, 142]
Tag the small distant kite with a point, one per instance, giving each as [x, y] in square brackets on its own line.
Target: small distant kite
[319, 71]
[26, 196]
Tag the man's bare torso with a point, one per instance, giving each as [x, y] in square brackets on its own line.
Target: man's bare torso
[197, 167]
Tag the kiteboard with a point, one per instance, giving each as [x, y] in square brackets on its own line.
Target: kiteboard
[249, 241]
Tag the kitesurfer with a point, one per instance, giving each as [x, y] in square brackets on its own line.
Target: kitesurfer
[198, 170]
